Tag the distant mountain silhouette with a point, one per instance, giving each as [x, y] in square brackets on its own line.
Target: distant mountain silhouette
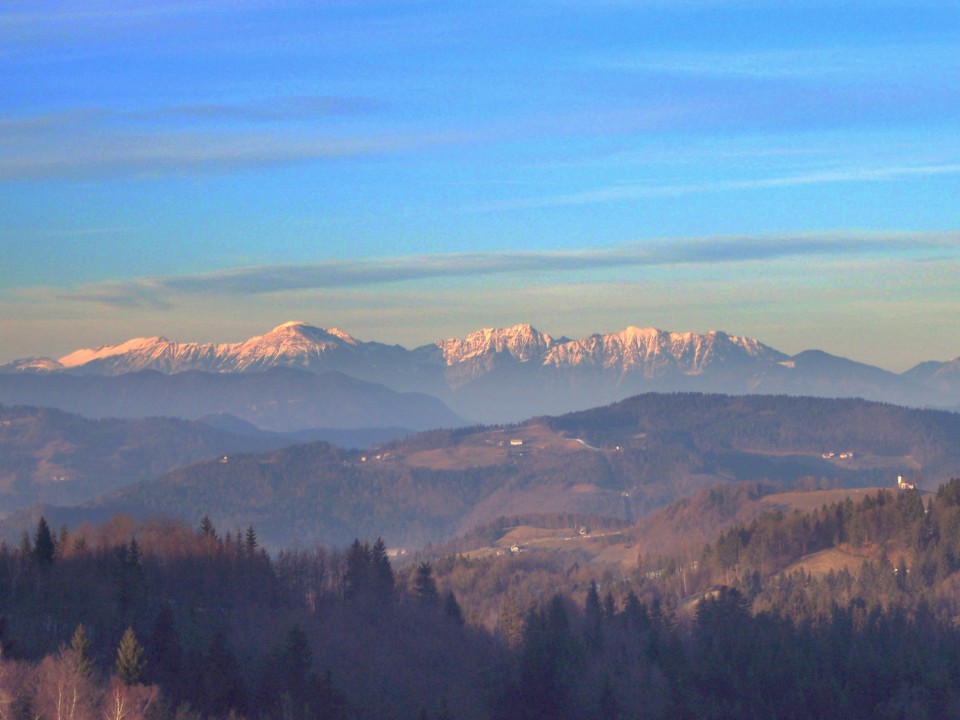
[491, 375]
[281, 399]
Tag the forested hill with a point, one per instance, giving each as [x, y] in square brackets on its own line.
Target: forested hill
[168, 623]
[48, 455]
[778, 424]
[620, 461]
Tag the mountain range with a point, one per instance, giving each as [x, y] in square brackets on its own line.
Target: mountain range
[491, 375]
[621, 461]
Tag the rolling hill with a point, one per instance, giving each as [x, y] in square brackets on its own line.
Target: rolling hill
[51, 456]
[622, 461]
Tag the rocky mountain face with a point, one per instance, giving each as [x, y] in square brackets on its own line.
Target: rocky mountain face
[507, 374]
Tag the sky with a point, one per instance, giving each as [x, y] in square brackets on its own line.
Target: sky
[411, 170]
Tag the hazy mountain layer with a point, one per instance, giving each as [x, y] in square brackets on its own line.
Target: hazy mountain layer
[280, 399]
[621, 461]
[52, 456]
[500, 375]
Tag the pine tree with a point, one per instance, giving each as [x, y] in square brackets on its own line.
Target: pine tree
[130, 589]
[207, 529]
[424, 585]
[44, 546]
[295, 658]
[63, 540]
[592, 607]
[130, 661]
[356, 576]
[293, 663]
[250, 542]
[80, 649]
[451, 608]
[383, 579]
[609, 606]
[221, 681]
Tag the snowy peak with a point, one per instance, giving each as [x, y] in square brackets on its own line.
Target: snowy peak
[648, 351]
[139, 347]
[307, 332]
[652, 352]
[32, 365]
[521, 342]
[292, 344]
[497, 374]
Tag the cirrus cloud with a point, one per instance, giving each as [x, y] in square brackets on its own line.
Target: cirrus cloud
[161, 292]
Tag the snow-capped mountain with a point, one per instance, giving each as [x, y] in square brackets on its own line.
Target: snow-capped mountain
[299, 345]
[651, 352]
[520, 342]
[293, 344]
[502, 374]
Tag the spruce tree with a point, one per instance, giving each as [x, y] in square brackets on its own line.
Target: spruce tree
[43, 544]
[424, 585]
[356, 577]
[293, 662]
[80, 649]
[221, 680]
[250, 542]
[383, 579]
[593, 610]
[207, 528]
[451, 608]
[130, 661]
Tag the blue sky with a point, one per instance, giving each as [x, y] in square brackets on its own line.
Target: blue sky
[409, 171]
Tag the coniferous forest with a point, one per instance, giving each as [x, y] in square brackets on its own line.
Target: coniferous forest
[158, 620]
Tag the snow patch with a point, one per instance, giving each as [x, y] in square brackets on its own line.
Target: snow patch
[134, 346]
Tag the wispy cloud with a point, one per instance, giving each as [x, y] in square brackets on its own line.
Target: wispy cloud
[641, 191]
[162, 292]
[185, 138]
[843, 62]
[180, 153]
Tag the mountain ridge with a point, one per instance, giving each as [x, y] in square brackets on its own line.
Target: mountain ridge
[296, 341]
[509, 374]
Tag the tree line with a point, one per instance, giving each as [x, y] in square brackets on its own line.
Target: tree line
[161, 621]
